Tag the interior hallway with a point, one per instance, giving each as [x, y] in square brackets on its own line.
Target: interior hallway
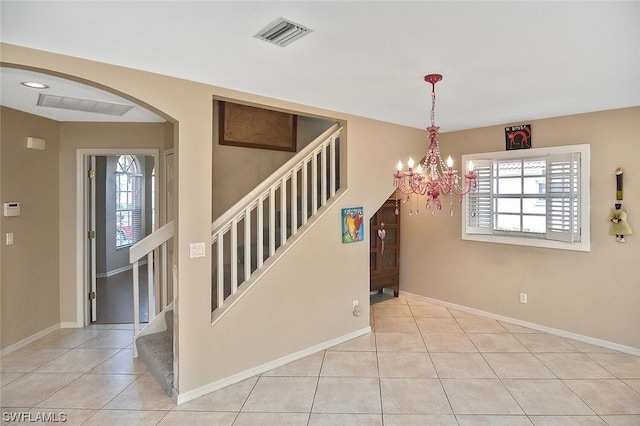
[423, 364]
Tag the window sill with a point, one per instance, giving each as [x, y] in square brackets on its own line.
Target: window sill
[530, 242]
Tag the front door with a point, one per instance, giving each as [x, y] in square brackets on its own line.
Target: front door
[91, 235]
[105, 248]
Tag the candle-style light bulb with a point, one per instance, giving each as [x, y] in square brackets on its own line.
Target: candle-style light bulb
[399, 165]
[410, 163]
[449, 162]
[470, 166]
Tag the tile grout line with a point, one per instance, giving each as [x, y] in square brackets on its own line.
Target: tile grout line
[315, 391]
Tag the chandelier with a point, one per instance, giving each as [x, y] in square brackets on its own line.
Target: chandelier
[433, 177]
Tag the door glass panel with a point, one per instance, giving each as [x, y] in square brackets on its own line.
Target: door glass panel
[389, 215]
[388, 258]
[391, 237]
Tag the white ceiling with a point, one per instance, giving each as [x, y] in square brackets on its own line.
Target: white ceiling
[17, 96]
[503, 62]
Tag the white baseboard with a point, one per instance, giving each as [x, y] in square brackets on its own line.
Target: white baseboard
[119, 270]
[236, 378]
[71, 325]
[562, 333]
[24, 342]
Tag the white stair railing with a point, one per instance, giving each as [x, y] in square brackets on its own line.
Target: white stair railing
[157, 275]
[288, 199]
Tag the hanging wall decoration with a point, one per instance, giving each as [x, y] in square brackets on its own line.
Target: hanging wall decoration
[382, 233]
[617, 216]
[619, 191]
[352, 224]
[518, 137]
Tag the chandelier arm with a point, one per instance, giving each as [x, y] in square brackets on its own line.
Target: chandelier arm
[404, 188]
[418, 186]
[464, 188]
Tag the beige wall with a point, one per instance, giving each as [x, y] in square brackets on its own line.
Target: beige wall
[200, 349]
[30, 283]
[594, 294]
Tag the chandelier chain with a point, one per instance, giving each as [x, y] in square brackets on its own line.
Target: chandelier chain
[433, 107]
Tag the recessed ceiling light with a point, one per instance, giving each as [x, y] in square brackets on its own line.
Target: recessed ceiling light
[35, 85]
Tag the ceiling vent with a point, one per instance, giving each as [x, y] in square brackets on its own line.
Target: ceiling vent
[85, 105]
[282, 32]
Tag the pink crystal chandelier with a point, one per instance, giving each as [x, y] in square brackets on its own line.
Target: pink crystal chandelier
[433, 177]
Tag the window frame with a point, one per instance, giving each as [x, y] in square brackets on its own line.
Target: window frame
[135, 191]
[484, 232]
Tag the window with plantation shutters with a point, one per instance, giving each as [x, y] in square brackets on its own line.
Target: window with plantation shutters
[128, 201]
[478, 204]
[536, 197]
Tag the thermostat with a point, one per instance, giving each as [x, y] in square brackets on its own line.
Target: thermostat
[11, 209]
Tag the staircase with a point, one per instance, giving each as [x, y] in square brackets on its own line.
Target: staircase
[280, 229]
[153, 345]
[248, 237]
[245, 241]
[155, 350]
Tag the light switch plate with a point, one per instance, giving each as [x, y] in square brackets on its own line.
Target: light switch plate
[196, 250]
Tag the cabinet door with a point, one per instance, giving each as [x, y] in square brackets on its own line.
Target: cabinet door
[384, 258]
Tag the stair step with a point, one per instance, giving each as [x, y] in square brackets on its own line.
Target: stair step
[168, 318]
[156, 352]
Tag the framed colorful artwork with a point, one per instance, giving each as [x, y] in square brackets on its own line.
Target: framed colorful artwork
[352, 224]
[518, 137]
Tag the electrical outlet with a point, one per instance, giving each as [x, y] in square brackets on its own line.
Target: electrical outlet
[356, 309]
[523, 297]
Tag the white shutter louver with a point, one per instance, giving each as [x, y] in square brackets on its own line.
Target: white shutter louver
[136, 209]
[478, 206]
[563, 194]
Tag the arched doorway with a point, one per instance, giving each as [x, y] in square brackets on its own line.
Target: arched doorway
[82, 128]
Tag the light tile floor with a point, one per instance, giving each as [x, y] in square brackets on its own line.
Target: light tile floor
[423, 365]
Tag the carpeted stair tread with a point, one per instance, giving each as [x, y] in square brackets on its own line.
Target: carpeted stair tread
[156, 352]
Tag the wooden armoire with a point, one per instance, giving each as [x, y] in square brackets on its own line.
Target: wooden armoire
[384, 260]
